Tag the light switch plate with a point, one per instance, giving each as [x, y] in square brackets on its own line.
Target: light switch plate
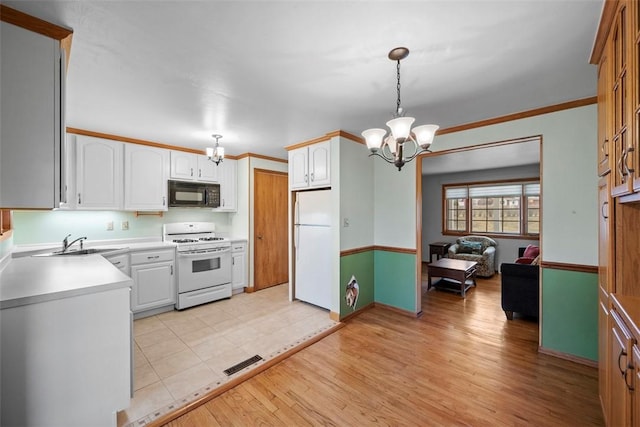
[125, 225]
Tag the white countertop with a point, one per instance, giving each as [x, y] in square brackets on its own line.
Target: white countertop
[30, 280]
[130, 245]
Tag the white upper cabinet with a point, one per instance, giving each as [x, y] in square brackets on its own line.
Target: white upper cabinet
[99, 165]
[183, 165]
[146, 171]
[32, 131]
[207, 170]
[310, 167]
[228, 173]
[191, 166]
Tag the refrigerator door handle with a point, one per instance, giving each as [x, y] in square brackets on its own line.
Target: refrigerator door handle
[296, 238]
[296, 211]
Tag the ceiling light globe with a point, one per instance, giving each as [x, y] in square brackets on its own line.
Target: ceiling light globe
[401, 127]
[209, 152]
[373, 138]
[424, 135]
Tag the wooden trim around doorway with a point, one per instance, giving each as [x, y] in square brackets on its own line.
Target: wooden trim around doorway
[31, 23]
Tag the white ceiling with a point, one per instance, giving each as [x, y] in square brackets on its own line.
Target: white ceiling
[267, 74]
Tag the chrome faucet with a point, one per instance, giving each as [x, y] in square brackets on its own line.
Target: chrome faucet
[66, 245]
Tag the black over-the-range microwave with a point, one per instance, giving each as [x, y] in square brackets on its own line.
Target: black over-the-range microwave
[194, 194]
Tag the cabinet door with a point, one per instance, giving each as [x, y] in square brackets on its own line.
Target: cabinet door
[31, 135]
[635, 73]
[298, 168]
[228, 186]
[619, 374]
[603, 353]
[621, 101]
[183, 165]
[320, 164]
[605, 231]
[207, 170]
[153, 286]
[145, 177]
[604, 140]
[636, 384]
[98, 173]
[238, 271]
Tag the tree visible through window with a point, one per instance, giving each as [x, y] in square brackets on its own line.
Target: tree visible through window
[500, 208]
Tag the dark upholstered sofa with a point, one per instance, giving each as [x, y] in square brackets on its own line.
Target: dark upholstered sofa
[520, 288]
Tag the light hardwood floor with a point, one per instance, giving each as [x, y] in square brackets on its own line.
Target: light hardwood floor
[461, 363]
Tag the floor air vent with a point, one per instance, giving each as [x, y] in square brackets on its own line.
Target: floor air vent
[240, 366]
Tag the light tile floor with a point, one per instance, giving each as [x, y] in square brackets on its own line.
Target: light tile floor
[180, 355]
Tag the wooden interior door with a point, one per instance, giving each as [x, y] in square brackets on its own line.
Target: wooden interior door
[270, 256]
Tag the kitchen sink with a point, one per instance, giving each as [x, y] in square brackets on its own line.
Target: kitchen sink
[87, 251]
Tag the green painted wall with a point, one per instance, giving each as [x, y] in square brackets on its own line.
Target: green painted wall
[570, 312]
[359, 265]
[395, 279]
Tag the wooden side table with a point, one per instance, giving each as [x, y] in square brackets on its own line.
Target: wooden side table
[439, 249]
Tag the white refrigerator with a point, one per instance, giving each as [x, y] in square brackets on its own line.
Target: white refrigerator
[312, 247]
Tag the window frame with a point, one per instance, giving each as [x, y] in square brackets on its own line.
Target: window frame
[524, 213]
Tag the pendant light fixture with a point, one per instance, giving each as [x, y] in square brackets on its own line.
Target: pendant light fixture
[403, 144]
[216, 154]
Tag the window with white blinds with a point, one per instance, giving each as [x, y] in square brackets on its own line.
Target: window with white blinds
[508, 208]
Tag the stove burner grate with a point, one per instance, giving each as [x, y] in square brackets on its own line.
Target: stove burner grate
[184, 240]
[211, 239]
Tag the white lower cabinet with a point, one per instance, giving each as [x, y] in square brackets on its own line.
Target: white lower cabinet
[67, 361]
[238, 265]
[121, 261]
[154, 280]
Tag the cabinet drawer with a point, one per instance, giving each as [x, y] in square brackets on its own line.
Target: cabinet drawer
[238, 247]
[151, 256]
[120, 261]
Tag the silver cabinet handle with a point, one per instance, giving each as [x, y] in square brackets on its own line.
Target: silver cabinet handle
[164, 200]
[79, 199]
[306, 178]
[153, 257]
[312, 177]
[603, 211]
[172, 270]
[199, 173]
[628, 170]
[191, 171]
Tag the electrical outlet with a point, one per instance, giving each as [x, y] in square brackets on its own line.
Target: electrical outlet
[125, 225]
[110, 226]
[345, 222]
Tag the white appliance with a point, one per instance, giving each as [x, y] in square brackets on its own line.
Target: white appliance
[312, 246]
[204, 262]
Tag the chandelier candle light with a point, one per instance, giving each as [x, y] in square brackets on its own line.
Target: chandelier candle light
[392, 148]
[216, 154]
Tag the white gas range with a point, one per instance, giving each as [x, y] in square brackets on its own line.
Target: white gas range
[204, 262]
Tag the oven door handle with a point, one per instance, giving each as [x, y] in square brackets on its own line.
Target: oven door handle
[201, 253]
